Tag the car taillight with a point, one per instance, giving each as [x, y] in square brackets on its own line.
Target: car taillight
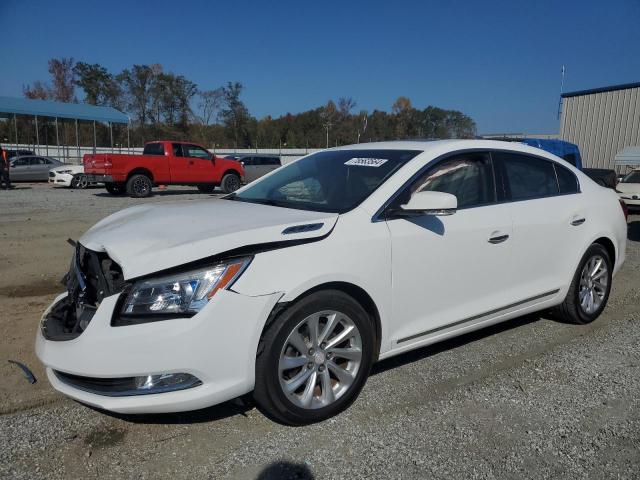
[625, 210]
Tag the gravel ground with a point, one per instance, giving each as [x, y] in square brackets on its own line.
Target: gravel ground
[530, 398]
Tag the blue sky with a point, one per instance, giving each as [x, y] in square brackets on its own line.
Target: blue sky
[498, 62]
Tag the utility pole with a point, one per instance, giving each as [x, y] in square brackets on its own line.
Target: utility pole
[327, 126]
[561, 91]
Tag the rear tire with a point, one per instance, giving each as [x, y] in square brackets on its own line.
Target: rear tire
[589, 291]
[230, 183]
[318, 382]
[139, 186]
[206, 188]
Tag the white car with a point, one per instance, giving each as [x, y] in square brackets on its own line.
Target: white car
[68, 176]
[293, 286]
[629, 188]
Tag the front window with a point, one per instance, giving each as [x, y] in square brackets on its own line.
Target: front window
[195, 151]
[633, 177]
[330, 181]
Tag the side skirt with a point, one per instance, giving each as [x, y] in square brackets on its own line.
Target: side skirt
[476, 322]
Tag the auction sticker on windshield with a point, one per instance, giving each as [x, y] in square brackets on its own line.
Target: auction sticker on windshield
[366, 162]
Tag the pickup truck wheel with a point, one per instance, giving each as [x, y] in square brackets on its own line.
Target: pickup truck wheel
[206, 188]
[230, 183]
[114, 188]
[139, 186]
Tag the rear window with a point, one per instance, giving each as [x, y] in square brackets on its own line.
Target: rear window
[153, 149]
[527, 177]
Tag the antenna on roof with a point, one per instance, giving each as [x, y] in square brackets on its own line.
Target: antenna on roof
[561, 91]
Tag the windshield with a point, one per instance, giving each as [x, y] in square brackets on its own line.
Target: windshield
[330, 181]
[633, 177]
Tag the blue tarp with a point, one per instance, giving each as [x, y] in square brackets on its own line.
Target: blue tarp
[47, 108]
[569, 151]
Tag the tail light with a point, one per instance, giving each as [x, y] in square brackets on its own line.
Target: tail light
[625, 210]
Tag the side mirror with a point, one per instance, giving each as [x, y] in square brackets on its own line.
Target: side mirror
[429, 203]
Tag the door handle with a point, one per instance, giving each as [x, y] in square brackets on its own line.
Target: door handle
[498, 239]
[578, 221]
[190, 162]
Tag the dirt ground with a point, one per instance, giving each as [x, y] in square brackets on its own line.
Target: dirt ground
[531, 398]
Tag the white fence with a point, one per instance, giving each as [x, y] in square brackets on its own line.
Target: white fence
[72, 154]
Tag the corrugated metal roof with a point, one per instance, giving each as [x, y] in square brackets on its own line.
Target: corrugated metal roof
[628, 156]
[611, 88]
[47, 108]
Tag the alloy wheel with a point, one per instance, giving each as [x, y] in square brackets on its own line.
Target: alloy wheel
[594, 280]
[320, 359]
[140, 187]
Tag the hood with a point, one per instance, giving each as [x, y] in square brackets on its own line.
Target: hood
[149, 238]
[628, 188]
[66, 166]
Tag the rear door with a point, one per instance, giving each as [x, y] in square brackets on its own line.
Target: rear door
[179, 164]
[20, 169]
[548, 219]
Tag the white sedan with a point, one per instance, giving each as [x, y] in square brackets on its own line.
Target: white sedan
[293, 286]
[629, 188]
[68, 176]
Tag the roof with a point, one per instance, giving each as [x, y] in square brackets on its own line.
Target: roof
[628, 156]
[612, 88]
[48, 108]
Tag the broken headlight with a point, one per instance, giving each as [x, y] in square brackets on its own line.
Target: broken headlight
[181, 294]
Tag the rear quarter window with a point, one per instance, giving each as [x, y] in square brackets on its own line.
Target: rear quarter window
[567, 181]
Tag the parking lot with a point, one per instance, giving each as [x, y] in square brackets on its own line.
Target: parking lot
[531, 398]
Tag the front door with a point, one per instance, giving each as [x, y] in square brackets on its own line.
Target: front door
[200, 163]
[448, 269]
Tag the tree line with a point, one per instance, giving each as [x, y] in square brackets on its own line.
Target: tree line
[167, 105]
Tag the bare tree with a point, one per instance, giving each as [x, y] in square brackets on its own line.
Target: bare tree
[211, 102]
[63, 78]
[39, 90]
[345, 105]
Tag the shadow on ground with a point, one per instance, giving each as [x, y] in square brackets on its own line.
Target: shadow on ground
[166, 193]
[286, 471]
[634, 231]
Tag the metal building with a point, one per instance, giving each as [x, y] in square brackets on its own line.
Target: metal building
[602, 122]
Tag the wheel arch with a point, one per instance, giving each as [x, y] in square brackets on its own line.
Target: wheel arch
[231, 171]
[357, 293]
[142, 171]
[609, 246]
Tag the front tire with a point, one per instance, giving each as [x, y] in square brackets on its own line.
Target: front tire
[139, 186]
[79, 181]
[589, 290]
[230, 183]
[314, 359]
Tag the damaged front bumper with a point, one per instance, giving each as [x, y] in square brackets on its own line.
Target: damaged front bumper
[217, 347]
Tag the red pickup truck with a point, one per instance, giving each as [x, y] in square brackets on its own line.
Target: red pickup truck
[163, 163]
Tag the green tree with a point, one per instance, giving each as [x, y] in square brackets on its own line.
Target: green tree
[235, 114]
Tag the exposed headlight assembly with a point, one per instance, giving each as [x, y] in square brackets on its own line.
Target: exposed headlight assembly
[177, 295]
